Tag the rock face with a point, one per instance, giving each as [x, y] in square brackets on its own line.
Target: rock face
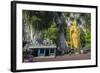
[60, 21]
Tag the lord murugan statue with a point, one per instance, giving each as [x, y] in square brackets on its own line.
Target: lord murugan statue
[75, 36]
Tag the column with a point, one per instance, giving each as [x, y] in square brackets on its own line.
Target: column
[38, 52]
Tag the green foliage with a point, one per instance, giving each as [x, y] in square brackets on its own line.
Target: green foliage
[82, 38]
[67, 36]
[67, 33]
[51, 33]
[67, 14]
[87, 18]
[35, 22]
[88, 39]
[35, 18]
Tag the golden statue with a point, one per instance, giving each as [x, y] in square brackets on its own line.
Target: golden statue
[75, 36]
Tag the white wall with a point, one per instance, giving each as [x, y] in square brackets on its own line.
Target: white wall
[5, 36]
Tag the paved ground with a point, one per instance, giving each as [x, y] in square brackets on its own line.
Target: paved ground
[64, 57]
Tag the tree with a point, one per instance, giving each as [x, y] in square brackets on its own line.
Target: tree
[60, 21]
